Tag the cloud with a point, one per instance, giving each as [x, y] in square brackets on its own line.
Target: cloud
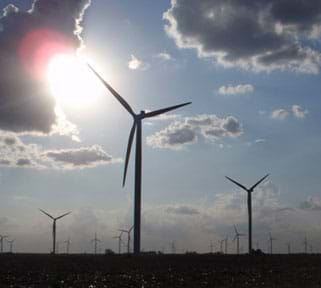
[298, 112]
[164, 56]
[190, 129]
[28, 40]
[84, 157]
[235, 90]
[256, 35]
[136, 64]
[182, 210]
[280, 114]
[311, 203]
[14, 153]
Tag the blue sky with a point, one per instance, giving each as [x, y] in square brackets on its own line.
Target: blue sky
[264, 117]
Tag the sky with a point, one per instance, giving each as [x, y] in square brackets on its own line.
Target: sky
[252, 72]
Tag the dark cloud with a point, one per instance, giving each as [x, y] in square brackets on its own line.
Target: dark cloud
[188, 130]
[258, 35]
[27, 41]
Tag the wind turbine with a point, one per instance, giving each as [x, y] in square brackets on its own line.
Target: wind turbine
[128, 237]
[289, 247]
[305, 242]
[249, 204]
[137, 127]
[226, 244]
[311, 248]
[54, 227]
[173, 246]
[119, 241]
[237, 238]
[11, 244]
[211, 247]
[271, 239]
[221, 245]
[2, 237]
[95, 240]
[67, 245]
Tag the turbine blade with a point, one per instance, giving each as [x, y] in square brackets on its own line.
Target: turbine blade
[260, 181]
[63, 215]
[237, 183]
[129, 147]
[44, 212]
[122, 230]
[164, 110]
[120, 99]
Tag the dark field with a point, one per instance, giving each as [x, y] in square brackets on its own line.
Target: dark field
[160, 271]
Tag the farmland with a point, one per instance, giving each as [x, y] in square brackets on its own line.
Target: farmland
[40, 270]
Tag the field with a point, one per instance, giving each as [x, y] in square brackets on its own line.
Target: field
[26, 270]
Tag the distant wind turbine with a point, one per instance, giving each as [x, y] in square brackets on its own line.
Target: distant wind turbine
[11, 244]
[2, 237]
[137, 125]
[119, 241]
[289, 247]
[305, 242]
[249, 204]
[128, 237]
[221, 245]
[271, 239]
[311, 248]
[173, 246]
[237, 238]
[211, 247]
[54, 227]
[67, 242]
[96, 241]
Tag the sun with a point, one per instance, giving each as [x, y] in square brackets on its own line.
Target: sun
[72, 83]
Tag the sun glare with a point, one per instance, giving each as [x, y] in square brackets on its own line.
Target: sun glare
[72, 83]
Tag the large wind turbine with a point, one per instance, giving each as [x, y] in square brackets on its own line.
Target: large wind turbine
[249, 204]
[237, 238]
[137, 127]
[54, 227]
[2, 237]
[119, 241]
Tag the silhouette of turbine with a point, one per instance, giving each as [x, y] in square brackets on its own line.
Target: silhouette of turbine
[237, 238]
[119, 241]
[95, 240]
[67, 245]
[2, 237]
[305, 242]
[271, 239]
[128, 237]
[54, 227]
[221, 245]
[249, 204]
[289, 247]
[137, 127]
[11, 244]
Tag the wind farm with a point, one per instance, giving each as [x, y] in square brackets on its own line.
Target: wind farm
[142, 121]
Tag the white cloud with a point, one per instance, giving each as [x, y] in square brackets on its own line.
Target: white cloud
[280, 114]
[136, 64]
[14, 153]
[188, 130]
[164, 56]
[235, 90]
[298, 112]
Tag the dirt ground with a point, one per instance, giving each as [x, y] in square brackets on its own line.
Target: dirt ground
[24, 270]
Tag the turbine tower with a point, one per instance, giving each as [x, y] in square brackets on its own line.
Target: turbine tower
[11, 245]
[249, 204]
[226, 244]
[128, 237]
[119, 241]
[221, 245]
[95, 240]
[137, 127]
[2, 237]
[211, 247]
[271, 239]
[289, 247]
[54, 219]
[237, 238]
